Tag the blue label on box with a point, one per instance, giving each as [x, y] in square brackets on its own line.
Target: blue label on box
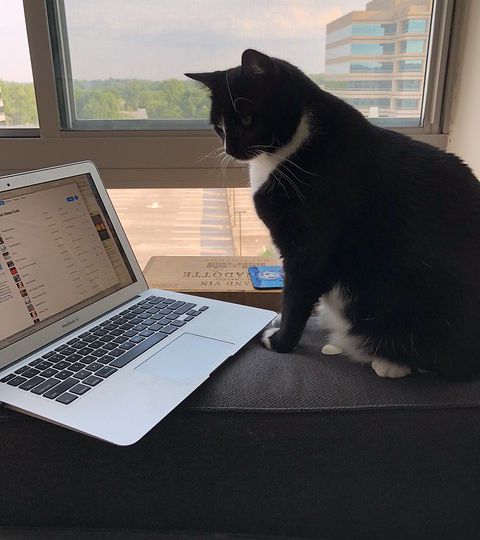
[266, 277]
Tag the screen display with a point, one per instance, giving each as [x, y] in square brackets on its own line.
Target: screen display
[58, 254]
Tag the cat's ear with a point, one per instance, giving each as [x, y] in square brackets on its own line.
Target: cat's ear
[208, 79]
[256, 63]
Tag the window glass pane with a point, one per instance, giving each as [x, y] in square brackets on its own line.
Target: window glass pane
[409, 84]
[410, 65]
[126, 59]
[414, 46]
[18, 108]
[415, 26]
[191, 222]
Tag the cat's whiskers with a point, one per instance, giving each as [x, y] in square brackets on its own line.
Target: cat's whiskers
[215, 153]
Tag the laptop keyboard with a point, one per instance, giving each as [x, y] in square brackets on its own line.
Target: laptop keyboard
[73, 369]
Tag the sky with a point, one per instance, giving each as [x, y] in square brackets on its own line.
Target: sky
[159, 39]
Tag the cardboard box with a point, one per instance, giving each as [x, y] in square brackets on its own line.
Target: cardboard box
[220, 278]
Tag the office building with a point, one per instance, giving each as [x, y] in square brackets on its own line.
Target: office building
[375, 59]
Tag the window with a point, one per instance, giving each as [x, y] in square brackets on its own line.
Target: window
[368, 29]
[404, 85]
[359, 85]
[372, 49]
[371, 67]
[410, 65]
[382, 103]
[417, 26]
[412, 46]
[406, 103]
[18, 108]
[208, 222]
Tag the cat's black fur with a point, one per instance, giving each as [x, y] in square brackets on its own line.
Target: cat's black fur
[394, 221]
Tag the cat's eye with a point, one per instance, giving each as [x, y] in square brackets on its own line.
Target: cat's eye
[246, 120]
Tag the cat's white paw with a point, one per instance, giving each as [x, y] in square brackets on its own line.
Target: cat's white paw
[277, 321]
[331, 350]
[266, 337]
[385, 368]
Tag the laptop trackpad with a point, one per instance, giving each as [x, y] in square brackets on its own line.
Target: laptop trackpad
[187, 359]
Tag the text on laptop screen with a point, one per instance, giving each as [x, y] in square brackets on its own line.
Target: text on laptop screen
[58, 253]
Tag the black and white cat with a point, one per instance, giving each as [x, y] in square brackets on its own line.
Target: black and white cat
[385, 229]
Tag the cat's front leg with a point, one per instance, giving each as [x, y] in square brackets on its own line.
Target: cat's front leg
[298, 301]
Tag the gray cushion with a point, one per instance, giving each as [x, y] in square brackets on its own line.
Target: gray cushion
[293, 445]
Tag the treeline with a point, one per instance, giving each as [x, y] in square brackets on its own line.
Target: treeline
[113, 99]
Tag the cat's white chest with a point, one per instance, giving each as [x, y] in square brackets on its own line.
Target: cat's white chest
[260, 169]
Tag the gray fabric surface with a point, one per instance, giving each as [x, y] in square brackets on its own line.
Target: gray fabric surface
[294, 445]
[257, 378]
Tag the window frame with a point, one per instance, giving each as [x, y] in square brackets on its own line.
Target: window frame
[147, 158]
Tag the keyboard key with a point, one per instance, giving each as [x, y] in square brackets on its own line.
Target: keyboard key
[88, 360]
[110, 346]
[84, 334]
[116, 333]
[188, 318]
[33, 363]
[137, 311]
[56, 357]
[169, 329]
[73, 358]
[94, 366]
[146, 333]
[50, 372]
[139, 349]
[158, 299]
[100, 332]
[90, 338]
[43, 387]
[203, 308]
[168, 301]
[177, 304]
[82, 374]
[48, 354]
[152, 310]
[162, 312]
[105, 339]
[116, 352]
[99, 352]
[17, 381]
[106, 359]
[19, 371]
[184, 308]
[78, 345]
[31, 383]
[63, 347]
[172, 316]
[178, 323]
[192, 312]
[127, 346]
[137, 339]
[68, 351]
[59, 389]
[80, 389]
[76, 367]
[61, 365]
[66, 398]
[96, 344]
[127, 326]
[31, 372]
[44, 364]
[106, 371]
[85, 351]
[92, 380]
[73, 341]
[157, 326]
[122, 339]
[62, 375]
[8, 378]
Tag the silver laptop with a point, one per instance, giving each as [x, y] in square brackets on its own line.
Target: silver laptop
[83, 342]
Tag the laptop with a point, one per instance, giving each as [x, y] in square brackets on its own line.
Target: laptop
[84, 343]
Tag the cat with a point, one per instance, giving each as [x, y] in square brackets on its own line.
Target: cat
[385, 230]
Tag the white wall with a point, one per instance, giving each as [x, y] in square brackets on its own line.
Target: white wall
[464, 139]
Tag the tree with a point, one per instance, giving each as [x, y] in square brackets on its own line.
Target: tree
[19, 104]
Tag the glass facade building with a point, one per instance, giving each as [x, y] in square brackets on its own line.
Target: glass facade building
[375, 59]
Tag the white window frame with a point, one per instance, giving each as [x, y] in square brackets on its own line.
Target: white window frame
[147, 159]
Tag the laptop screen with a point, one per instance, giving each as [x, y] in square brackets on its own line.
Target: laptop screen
[58, 253]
